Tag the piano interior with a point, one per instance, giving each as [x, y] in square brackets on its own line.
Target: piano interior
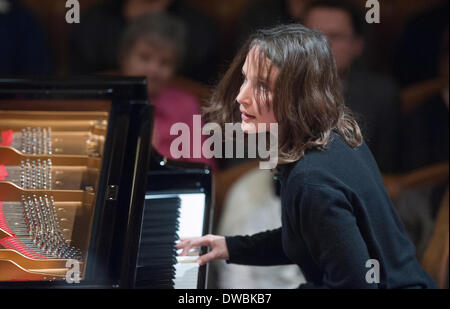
[50, 159]
[80, 186]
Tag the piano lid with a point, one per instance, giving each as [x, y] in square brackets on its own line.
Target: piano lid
[93, 87]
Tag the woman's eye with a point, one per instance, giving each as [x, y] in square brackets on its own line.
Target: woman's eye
[263, 87]
[244, 81]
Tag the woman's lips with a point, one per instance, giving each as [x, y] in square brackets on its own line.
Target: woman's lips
[247, 117]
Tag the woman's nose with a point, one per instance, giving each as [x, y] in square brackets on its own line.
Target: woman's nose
[244, 96]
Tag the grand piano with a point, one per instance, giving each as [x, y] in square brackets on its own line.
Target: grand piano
[85, 202]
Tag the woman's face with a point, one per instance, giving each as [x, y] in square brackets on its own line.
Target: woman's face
[257, 92]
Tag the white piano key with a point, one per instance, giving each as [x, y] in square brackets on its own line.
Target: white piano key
[186, 275]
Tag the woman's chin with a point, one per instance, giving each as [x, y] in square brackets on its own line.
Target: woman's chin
[252, 127]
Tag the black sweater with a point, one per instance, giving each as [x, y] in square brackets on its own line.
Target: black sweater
[336, 216]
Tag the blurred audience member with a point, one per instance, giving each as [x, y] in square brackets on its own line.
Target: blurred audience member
[418, 48]
[152, 46]
[372, 98]
[23, 49]
[268, 13]
[95, 40]
[425, 137]
[424, 158]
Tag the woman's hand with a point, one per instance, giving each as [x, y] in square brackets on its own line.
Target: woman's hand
[217, 245]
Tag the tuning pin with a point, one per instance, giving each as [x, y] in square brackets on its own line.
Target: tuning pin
[26, 140]
[22, 174]
[28, 174]
[49, 141]
[38, 211]
[44, 141]
[44, 172]
[33, 141]
[33, 174]
[43, 227]
[44, 175]
[43, 208]
[38, 174]
[39, 141]
[36, 141]
[49, 174]
[26, 213]
[23, 141]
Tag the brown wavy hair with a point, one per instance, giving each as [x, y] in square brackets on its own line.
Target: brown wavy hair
[308, 100]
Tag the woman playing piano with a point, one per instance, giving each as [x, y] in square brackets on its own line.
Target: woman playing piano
[338, 223]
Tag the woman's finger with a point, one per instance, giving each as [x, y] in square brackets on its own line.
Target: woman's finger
[201, 241]
[206, 258]
[183, 242]
[180, 244]
[192, 243]
[187, 245]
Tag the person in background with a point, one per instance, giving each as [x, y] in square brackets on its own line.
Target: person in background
[268, 13]
[152, 46]
[95, 41]
[425, 146]
[417, 51]
[373, 98]
[425, 137]
[23, 49]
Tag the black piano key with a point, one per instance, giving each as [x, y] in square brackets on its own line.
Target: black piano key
[156, 253]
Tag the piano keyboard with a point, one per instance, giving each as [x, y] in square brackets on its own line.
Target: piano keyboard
[167, 218]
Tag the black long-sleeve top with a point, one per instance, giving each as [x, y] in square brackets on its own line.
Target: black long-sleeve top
[336, 216]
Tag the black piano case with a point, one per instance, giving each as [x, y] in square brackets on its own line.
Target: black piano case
[74, 156]
[84, 202]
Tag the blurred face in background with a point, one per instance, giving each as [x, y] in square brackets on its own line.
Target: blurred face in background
[135, 8]
[154, 59]
[296, 8]
[337, 26]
